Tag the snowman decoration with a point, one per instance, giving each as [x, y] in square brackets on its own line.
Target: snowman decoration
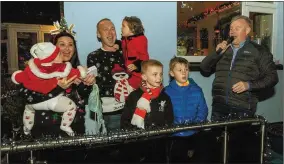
[122, 88]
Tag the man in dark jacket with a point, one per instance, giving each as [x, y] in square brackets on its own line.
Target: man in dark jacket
[242, 69]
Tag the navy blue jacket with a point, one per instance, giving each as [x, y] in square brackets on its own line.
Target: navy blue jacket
[189, 104]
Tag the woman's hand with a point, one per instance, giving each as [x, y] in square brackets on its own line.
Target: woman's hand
[64, 83]
[77, 81]
[89, 80]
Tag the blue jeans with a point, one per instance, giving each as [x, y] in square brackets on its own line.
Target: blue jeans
[112, 122]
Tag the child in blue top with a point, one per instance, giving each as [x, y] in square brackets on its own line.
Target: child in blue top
[187, 97]
[188, 102]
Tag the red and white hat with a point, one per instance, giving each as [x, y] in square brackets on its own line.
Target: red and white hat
[117, 69]
[46, 52]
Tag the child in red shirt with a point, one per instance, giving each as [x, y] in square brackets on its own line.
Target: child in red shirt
[134, 47]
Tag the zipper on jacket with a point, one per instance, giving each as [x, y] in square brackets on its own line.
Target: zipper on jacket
[227, 90]
[228, 83]
[230, 73]
[249, 94]
[183, 108]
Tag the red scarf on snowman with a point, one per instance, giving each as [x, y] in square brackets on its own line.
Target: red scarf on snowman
[121, 88]
[143, 105]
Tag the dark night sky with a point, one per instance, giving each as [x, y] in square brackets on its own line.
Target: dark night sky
[30, 12]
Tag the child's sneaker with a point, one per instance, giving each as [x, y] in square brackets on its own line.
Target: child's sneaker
[190, 153]
[68, 130]
[27, 131]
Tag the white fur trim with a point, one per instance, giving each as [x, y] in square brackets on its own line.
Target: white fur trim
[144, 104]
[83, 72]
[42, 50]
[46, 64]
[42, 75]
[14, 76]
[137, 121]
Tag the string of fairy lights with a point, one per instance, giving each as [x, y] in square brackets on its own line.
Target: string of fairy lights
[206, 13]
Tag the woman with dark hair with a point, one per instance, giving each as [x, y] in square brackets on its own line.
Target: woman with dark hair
[74, 59]
[47, 122]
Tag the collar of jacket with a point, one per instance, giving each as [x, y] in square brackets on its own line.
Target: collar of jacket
[174, 84]
[132, 36]
[242, 43]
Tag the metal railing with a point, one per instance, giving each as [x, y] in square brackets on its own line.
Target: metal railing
[124, 136]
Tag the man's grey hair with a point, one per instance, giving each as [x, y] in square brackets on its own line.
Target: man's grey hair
[245, 18]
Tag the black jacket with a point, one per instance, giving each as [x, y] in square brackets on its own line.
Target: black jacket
[253, 63]
[160, 115]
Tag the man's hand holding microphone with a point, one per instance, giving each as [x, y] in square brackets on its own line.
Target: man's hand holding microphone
[221, 47]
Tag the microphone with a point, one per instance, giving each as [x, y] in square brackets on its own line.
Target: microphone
[229, 41]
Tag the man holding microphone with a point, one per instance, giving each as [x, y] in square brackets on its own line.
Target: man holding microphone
[242, 68]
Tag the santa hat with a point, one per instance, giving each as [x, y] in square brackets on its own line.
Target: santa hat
[117, 69]
[46, 52]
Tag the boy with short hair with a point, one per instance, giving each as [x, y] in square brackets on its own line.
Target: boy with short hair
[189, 106]
[148, 105]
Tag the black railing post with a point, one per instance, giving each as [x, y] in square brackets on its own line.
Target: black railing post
[225, 145]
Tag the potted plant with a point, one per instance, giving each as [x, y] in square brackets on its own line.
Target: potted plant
[181, 46]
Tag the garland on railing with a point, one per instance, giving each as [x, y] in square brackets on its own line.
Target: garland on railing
[11, 103]
[208, 12]
[123, 136]
[115, 137]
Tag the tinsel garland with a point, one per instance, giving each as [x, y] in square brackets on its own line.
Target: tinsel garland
[12, 108]
[11, 103]
[212, 10]
[8, 94]
[6, 84]
[114, 137]
[276, 129]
